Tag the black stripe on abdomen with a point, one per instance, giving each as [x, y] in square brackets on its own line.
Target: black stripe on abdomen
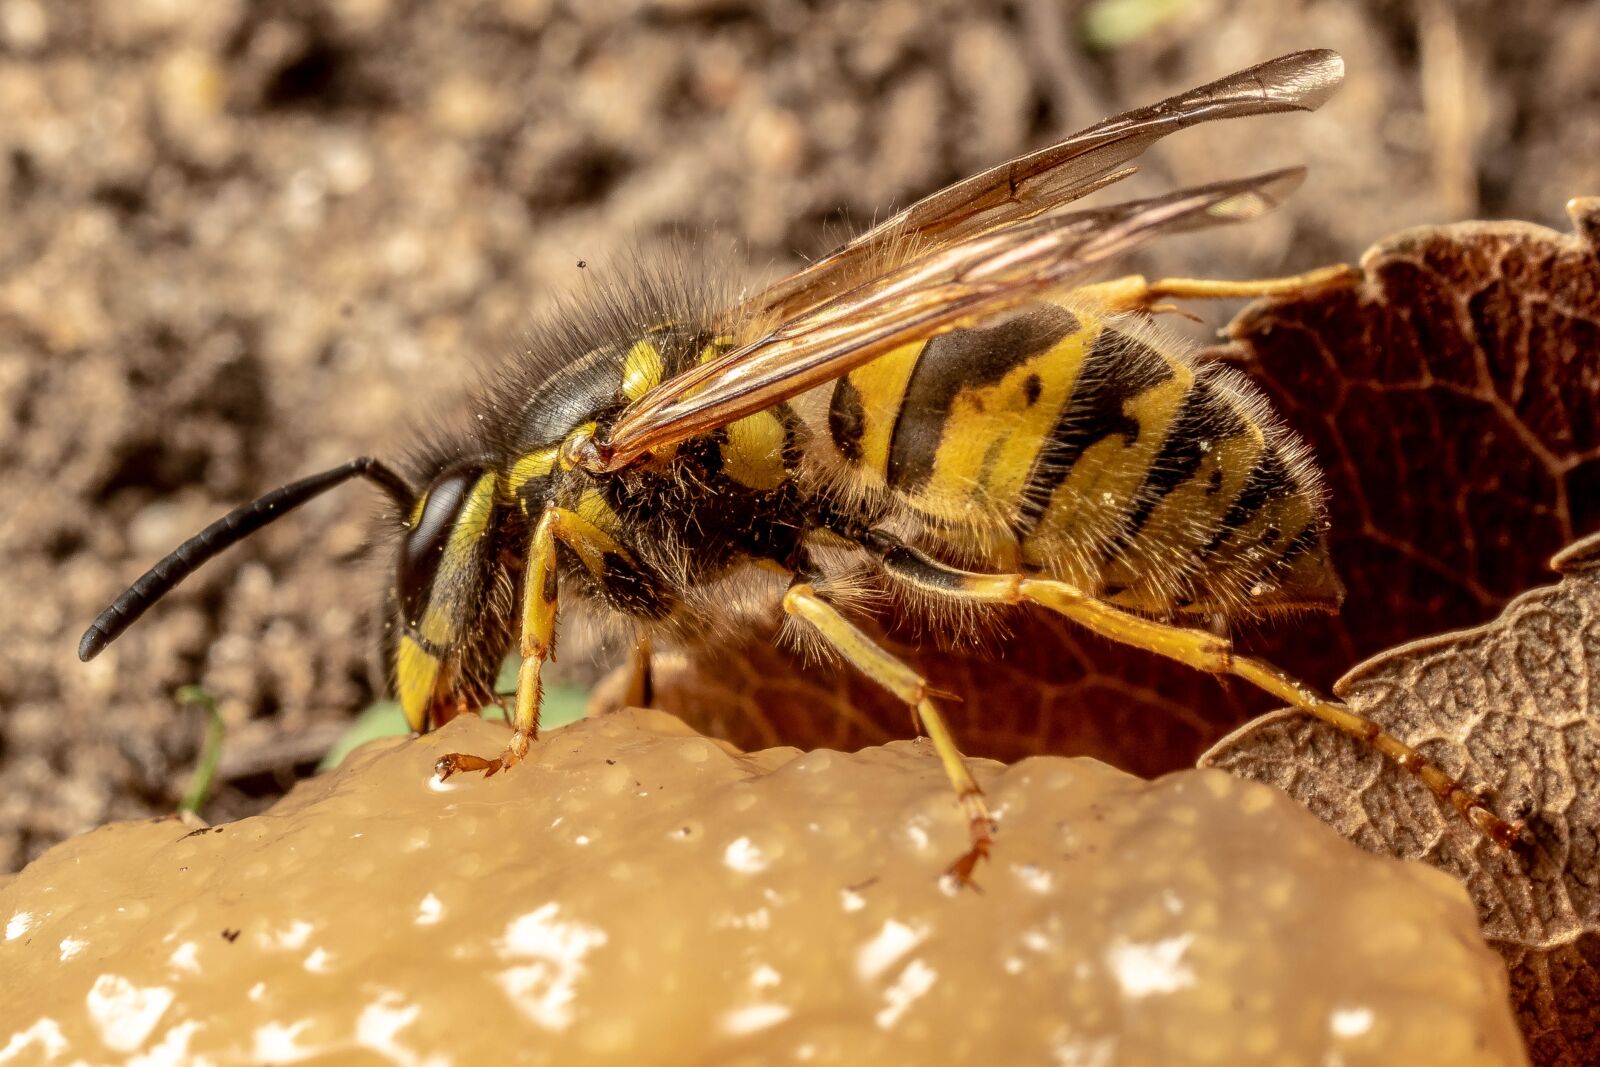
[1307, 539]
[1117, 369]
[1270, 480]
[1204, 420]
[953, 362]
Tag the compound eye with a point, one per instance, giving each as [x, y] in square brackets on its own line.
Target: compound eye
[424, 544]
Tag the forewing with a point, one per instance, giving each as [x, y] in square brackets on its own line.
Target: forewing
[945, 289]
[1042, 181]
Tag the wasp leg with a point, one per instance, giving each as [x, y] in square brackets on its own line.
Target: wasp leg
[1133, 293]
[641, 692]
[537, 644]
[538, 641]
[1197, 648]
[802, 602]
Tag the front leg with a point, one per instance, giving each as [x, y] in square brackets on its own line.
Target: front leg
[538, 643]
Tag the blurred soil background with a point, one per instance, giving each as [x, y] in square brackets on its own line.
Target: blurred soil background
[243, 242]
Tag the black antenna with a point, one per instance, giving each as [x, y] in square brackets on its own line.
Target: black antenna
[232, 528]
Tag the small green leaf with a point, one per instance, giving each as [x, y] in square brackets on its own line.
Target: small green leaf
[383, 719]
[563, 704]
[506, 681]
[205, 771]
[1109, 24]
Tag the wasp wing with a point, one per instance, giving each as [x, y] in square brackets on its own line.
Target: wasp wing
[942, 290]
[1043, 181]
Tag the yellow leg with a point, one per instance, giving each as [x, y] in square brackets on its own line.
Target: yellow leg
[1204, 651]
[641, 681]
[538, 642]
[802, 602]
[1133, 293]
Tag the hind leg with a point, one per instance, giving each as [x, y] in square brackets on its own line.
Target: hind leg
[1197, 648]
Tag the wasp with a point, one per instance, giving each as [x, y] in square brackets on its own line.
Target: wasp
[947, 412]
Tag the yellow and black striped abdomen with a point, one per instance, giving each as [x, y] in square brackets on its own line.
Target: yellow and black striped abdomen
[953, 425]
[1103, 455]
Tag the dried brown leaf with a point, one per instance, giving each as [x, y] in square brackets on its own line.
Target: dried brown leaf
[1514, 706]
[1452, 396]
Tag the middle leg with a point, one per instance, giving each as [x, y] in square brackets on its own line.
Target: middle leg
[803, 602]
[641, 691]
[538, 641]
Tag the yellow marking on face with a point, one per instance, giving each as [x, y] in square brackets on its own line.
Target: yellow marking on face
[456, 580]
[536, 464]
[416, 511]
[438, 625]
[415, 673]
[753, 453]
[642, 368]
[882, 387]
[472, 521]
